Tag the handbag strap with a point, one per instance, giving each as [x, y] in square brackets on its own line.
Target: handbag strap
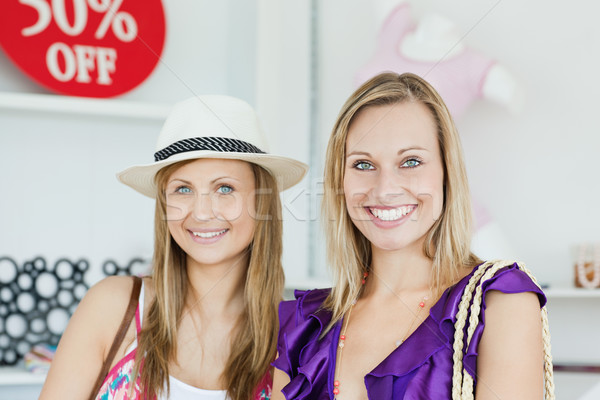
[469, 310]
[120, 335]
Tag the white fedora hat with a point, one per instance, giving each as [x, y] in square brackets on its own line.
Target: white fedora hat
[212, 127]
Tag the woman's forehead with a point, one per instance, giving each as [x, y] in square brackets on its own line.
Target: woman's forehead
[391, 128]
[209, 168]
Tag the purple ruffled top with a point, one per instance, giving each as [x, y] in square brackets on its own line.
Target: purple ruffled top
[420, 368]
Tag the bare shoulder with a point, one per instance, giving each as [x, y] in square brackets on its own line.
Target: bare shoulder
[85, 342]
[510, 361]
[280, 379]
[513, 314]
[114, 290]
[106, 301]
[517, 304]
[101, 311]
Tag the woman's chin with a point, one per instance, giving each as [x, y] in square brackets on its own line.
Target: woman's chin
[395, 245]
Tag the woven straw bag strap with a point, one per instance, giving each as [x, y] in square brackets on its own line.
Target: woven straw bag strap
[470, 309]
[127, 318]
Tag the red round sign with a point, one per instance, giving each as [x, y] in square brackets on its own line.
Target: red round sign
[93, 48]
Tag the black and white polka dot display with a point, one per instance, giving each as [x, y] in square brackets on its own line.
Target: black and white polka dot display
[37, 300]
[136, 266]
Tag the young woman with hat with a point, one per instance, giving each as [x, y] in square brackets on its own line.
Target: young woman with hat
[203, 325]
[413, 314]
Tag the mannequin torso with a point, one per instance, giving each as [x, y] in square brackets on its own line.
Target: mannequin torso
[434, 48]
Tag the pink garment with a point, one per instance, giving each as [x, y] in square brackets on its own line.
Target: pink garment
[117, 382]
[459, 79]
[119, 379]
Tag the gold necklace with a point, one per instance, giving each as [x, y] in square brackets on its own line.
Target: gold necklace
[342, 340]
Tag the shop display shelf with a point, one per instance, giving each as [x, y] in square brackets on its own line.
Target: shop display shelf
[20, 376]
[566, 292]
[71, 105]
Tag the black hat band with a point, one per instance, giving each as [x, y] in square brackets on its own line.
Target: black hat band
[221, 144]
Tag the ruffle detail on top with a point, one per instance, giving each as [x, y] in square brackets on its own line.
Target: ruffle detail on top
[509, 279]
[422, 366]
[301, 355]
[419, 368]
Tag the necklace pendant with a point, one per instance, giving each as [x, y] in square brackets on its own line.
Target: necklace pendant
[342, 340]
[399, 342]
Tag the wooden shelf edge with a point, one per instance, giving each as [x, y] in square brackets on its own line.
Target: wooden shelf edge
[82, 106]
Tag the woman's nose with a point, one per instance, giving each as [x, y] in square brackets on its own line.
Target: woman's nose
[203, 208]
[389, 186]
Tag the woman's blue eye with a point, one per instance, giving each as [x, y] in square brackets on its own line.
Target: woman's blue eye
[183, 189]
[411, 163]
[225, 189]
[363, 165]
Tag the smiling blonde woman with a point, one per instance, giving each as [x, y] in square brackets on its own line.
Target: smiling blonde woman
[413, 314]
[203, 325]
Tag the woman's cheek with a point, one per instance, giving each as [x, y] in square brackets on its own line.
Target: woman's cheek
[228, 207]
[178, 207]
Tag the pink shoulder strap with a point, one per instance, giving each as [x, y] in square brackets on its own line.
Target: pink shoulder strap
[129, 313]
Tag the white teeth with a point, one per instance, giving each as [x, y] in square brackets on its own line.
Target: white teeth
[207, 235]
[391, 214]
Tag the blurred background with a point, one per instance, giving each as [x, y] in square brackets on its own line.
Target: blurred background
[525, 108]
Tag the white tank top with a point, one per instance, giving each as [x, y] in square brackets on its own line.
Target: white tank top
[180, 390]
[183, 391]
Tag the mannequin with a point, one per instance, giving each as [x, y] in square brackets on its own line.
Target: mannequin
[434, 49]
[433, 38]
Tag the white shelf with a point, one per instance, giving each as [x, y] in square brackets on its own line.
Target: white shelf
[83, 106]
[20, 376]
[571, 293]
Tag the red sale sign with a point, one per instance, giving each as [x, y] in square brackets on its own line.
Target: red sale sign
[93, 48]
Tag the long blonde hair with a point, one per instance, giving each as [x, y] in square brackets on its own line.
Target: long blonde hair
[448, 241]
[254, 344]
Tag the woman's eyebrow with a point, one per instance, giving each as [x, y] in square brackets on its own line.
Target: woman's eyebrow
[225, 177]
[401, 151]
[359, 153]
[213, 181]
[180, 180]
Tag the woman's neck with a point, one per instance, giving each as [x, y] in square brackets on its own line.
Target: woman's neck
[397, 271]
[217, 289]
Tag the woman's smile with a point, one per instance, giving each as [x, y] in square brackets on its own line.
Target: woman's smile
[207, 236]
[390, 217]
